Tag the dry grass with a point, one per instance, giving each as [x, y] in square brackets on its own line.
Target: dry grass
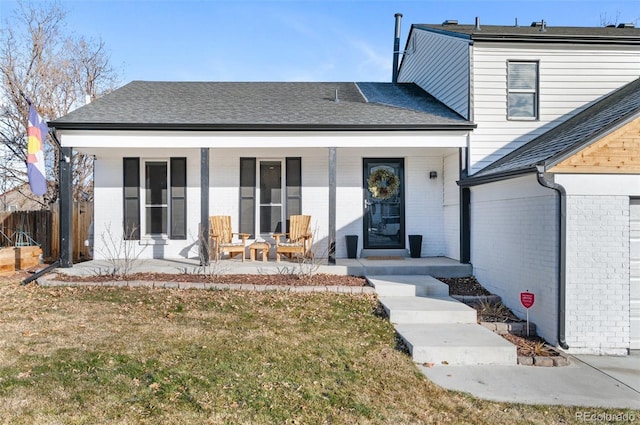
[121, 355]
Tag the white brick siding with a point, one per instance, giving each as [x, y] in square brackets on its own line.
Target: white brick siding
[423, 196]
[108, 208]
[514, 247]
[598, 274]
[451, 204]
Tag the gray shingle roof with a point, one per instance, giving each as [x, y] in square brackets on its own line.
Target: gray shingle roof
[550, 33]
[239, 105]
[579, 131]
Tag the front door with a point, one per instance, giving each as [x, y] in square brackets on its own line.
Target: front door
[383, 203]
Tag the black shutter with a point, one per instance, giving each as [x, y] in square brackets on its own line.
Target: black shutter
[178, 198]
[294, 186]
[247, 195]
[131, 198]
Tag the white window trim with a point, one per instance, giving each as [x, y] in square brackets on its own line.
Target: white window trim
[536, 91]
[145, 237]
[283, 195]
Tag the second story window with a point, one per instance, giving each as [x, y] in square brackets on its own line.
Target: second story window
[522, 87]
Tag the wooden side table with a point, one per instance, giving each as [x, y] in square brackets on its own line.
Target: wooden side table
[259, 246]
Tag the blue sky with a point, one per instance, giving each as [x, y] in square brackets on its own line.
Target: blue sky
[288, 40]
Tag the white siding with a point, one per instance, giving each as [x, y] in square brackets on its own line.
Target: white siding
[108, 206]
[634, 303]
[423, 196]
[570, 78]
[451, 206]
[599, 261]
[440, 65]
[514, 246]
[225, 177]
[597, 274]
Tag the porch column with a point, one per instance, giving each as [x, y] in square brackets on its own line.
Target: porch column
[66, 213]
[204, 206]
[332, 205]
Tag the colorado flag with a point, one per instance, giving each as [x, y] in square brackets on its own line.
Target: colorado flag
[36, 133]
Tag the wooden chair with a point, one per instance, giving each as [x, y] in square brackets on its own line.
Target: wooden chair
[298, 239]
[221, 238]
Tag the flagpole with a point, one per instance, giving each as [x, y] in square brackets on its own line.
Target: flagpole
[24, 96]
[65, 222]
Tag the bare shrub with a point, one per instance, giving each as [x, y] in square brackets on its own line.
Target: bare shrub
[121, 253]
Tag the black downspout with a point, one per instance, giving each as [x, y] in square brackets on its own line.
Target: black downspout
[42, 272]
[562, 252]
[465, 215]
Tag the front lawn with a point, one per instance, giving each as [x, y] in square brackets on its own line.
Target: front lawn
[136, 355]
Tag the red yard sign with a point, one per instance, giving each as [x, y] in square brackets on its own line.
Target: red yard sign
[527, 299]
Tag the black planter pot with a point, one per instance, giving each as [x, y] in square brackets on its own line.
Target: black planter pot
[415, 245]
[352, 246]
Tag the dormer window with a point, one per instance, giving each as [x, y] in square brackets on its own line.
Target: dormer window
[522, 87]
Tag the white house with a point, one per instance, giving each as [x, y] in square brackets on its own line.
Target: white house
[557, 215]
[469, 140]
[261, 152]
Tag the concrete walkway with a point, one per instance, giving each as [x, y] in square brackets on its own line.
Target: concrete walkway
[436, 328]
[590, 381]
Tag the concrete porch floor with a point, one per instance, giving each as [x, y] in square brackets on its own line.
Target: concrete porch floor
[434, 266]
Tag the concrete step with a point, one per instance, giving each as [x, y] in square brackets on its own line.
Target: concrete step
[408, 285]
[457, 344]
[400, 252]
[408, 266]
[415, 310]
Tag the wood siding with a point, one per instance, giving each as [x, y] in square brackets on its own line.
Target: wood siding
[571, 77]
[439, 65]
[618, 152]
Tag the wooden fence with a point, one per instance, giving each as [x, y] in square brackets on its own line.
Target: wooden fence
[23, 228]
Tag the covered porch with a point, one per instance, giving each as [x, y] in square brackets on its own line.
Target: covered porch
[434, 266]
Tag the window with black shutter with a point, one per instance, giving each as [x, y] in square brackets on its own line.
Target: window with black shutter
[155, 202]
[131, 201]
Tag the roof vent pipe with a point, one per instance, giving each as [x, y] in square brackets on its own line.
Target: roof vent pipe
[543, 27]
[396, 48]
[477, 28]
[336, 98]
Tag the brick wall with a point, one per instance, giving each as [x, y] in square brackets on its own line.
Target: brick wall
[514, 246]
[598, 274]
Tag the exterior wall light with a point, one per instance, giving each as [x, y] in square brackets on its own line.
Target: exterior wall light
[433, 174]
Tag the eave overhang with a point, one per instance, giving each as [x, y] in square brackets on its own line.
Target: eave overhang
[257, 127]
